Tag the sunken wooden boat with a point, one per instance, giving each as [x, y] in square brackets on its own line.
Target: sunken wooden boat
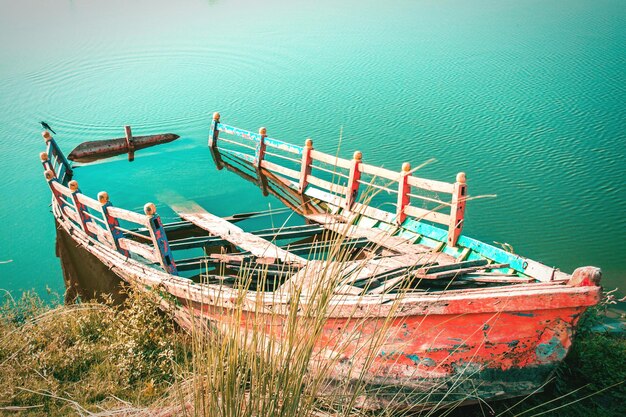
[455, 319]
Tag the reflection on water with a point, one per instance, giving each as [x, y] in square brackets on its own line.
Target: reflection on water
[84, 275]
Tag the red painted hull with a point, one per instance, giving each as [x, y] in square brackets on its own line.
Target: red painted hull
[507, 345]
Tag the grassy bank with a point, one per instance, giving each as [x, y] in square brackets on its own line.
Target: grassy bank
[100, 359]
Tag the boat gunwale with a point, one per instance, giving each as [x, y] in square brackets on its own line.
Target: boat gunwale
[404, 304]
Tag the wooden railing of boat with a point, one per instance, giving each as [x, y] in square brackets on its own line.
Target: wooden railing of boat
[305, 167]
[99, 219]
[143, 235]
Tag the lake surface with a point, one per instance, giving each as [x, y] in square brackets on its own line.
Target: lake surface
[528, 98]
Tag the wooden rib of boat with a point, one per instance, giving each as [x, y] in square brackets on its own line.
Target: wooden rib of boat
[454, 316]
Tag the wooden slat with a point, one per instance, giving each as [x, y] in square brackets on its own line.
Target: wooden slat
[387, 285]
[329, 159]
[431, 185]
[71, 213]
[374, 213]
[103, 235]
[325, 196]
[61, 188]
[140, 249]
[496, 278]
[429, 215]
[280, 169]
[129, 216]
[257, 246]
[458, 272]
[271, 142]
[379, 172]
[453, 266]
[242, 133]
[283, 146]
[326, 185]
[89, 202]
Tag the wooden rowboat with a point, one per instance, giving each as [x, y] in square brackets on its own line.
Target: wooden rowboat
[454, 317]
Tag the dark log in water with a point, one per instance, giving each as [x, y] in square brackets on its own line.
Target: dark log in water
[100, 149]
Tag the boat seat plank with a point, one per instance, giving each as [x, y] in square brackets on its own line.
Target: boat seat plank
[458, 272]
[380, 237]
[254, 244]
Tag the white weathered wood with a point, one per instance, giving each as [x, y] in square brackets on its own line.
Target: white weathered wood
[61, 188]
[280, 169]
[379, 172]
[326, 185]
[70, 212]
[129, 216]
[140, 249]
[331, 160]
[235, 235]
[103, 235]
[431, 185]
[89, 202]
[430, 215]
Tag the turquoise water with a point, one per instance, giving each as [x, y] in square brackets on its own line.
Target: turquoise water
[528, 98]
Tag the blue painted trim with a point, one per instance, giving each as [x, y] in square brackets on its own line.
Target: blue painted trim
[112, 225]
[59, 154]
[488, 251]
[246, 134]
[162, 244]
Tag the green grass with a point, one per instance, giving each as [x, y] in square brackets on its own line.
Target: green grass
[56, 359]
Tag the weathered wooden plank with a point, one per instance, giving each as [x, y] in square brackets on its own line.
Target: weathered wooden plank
[423, 214]
[103, 235]
[431, 185]
[140, 249]
[335, 200]
[129, 216]
[452, 266]
[280, 169]
[326, 185]
[235, 235]
[387, 285]
[89, 202]
[267, 234]
[458, 272]
[305, 166]
[271, 142]
[457, 209]
[331, 160]
[70, 212]
[283, 146]
[379, 172]
[62, 189]
[496, 278]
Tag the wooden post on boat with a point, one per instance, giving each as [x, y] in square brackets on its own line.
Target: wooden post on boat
[352, 188]
[81, 209]
[260, 148]
[159, 239]
[214, 131]
[47, 165]
[305, 167]
[457, 211]
[129, 143]
[53, 150]
[112, 223]
[403, 193]
[50, 178]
